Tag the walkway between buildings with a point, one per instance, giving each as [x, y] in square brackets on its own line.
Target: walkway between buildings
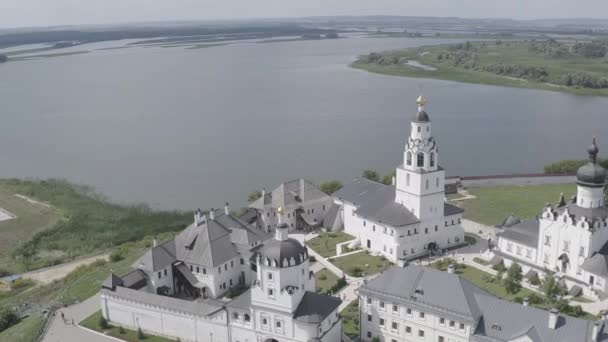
[64, 331]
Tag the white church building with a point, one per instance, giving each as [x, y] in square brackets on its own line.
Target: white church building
[569, 239]
[409, 219]
[179, 287]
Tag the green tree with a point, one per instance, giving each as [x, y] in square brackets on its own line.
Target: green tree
[140, 334]
[376, 339]
[553, 292]
[371, 175]
[330, 187]
[254, 195]
[512, 281]
[388, 179]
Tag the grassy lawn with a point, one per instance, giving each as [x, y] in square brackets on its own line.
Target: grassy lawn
[350, 314]
[92, 322]
[489, 54]
[325, 243]
[361, 264]
[31, 219]
[488, 282]
[27, 330]
[325, 280]
[493, 204]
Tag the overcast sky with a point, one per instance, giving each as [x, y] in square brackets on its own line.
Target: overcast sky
[20, 13]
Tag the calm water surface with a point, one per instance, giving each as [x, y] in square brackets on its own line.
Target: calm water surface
[181, 128]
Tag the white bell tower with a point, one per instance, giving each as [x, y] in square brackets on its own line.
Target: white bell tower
[420, 179]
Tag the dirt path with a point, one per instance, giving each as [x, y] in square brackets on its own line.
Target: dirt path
[49, 274]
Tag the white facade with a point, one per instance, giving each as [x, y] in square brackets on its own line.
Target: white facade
[570, 238]
[420, 190]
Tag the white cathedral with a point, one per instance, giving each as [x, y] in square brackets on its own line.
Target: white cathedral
[409, 219]
[569, 240]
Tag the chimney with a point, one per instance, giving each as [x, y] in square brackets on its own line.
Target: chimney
[451, 268]
[393, 182]
[604, 315]
[263, 193]
[212, 214]
[302, 189]
[595, 333]
[227, 209]
[154, 242]
[526, 301]
[553, 314]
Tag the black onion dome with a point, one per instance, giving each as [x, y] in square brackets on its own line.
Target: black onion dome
[422, 116]
[285, 253]
[591, 174]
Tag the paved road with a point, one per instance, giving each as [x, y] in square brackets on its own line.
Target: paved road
[66, 332]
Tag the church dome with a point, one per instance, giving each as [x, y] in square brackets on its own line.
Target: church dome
[283, 253]
[422, 116]
[591, 174]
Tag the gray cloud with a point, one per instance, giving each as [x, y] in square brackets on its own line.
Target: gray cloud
[19, 13]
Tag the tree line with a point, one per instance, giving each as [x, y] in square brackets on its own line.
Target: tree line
[570, 165]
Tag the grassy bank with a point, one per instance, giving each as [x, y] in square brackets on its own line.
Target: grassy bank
[325, 243]
[27, 330]
[504, 63]
[493, 204]
[82, 222]
[350, 314]
[361, 264]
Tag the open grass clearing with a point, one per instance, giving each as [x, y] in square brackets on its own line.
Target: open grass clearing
[361, 264]
[325, 243]
[27, 330]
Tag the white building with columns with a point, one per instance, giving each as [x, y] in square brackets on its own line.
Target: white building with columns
[569, 239]
[410, 218]
[171, 294]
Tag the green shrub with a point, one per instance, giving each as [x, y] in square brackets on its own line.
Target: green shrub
[117, 255]
[22, 283]
[500, 267]
[330, 187]
[103, 323]
[534, 279]
[480, 261]
[140, 334]
[121, 330]
[8, 318]
[323, 277]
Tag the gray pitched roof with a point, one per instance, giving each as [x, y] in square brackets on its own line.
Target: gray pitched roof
[290, 193]
[427, 287]
[314, 307]
[185, 271]
[515, 320]
[111, 282]
[242, 302]
[207, 244]
[376, 202]
[158, 257]
[497, 319]
[449, 209]
[525, 233]
[135, 279]
[598, 262]
[241, 232]
[330, 218]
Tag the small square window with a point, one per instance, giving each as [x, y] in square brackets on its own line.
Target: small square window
[420, 333]
[369, 300]
[442, 321]
[369, 334]
[381, 322]
[409, 311]
[461, 326]
[382, 305]
[395, 326]
[408, 330]
[369, 318]
[421, 315]
[395, 308]
[452, 324]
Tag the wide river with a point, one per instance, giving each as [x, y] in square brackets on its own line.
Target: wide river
[183, 128]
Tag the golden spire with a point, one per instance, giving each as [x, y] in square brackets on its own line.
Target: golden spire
[421, 100]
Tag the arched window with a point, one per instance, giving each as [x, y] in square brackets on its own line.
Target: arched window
[432, 159]
[408, 158]
[407, 179]
[420, 161]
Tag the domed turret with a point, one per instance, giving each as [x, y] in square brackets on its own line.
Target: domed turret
[283, 251]
[591, 174]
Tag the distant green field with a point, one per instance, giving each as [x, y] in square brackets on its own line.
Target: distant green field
[483, 55]
[493, 204]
